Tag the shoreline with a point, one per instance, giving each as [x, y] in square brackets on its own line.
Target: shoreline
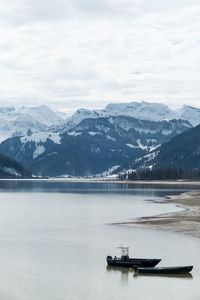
[187, 221]
[109, 180]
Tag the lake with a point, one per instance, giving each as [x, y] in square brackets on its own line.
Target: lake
[55, 236]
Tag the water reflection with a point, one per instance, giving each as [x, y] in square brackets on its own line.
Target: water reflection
[124, 272]
[181, 276]
[64, 186]
[54, 244]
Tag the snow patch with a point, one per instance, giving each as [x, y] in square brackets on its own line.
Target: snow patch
[131, 146]
[73, 133]
[110, 138]
[146, 131]
[166, 132]
[12, 171]
[41, 137]
[151, 148]
[38, 151]
[93, 133]
[140, 145]
[109, 172]
[147, 157]
[52, 153]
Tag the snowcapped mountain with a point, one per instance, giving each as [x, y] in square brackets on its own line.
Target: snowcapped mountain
[17, 121]
[153, 111]
[93, 146]
[90, 141]
[191, 114]
[43, 114]
[139, 110]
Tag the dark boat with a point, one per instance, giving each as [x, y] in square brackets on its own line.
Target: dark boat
[165, 270]
[126, 262]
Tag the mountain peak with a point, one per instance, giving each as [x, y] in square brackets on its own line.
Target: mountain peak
[16, 121]
[140, 110]
[190, 113]
[6, 109]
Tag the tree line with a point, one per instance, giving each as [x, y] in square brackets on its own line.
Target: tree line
[7, 163]
[162, 174]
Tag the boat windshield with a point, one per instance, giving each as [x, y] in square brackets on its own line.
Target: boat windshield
[124, 251]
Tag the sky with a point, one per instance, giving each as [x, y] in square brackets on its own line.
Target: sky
[87, 53]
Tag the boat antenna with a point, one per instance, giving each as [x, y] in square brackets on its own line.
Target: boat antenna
[124, 250]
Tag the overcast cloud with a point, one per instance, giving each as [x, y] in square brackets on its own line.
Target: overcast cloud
[72, 53]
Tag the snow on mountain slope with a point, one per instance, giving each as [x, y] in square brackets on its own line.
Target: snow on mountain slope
[139, 110]
[41, 137]
[93, 146]
[17, 121]
[80, 115]
[153, 111]
[42, 114]
[183, 151]
[191, 114]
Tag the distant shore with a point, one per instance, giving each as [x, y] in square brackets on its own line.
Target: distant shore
[187, 221]
[108, 180]
[132, 182]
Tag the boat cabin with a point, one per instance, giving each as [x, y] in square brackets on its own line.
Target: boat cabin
[124, 252]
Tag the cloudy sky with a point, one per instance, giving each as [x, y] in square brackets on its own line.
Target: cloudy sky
[86, 53]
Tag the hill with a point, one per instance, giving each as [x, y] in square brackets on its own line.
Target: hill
[10, 168]
[182, 151]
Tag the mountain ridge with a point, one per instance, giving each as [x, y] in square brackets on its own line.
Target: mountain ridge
[92, 147]
[92, 141]
[141, 110]
[182, 151]
[17, 121]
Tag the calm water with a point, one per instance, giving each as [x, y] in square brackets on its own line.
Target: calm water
[55, 236]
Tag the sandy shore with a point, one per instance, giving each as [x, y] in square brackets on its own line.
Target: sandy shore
[187, 221]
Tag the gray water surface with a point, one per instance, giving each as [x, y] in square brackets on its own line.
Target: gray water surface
[55, 236]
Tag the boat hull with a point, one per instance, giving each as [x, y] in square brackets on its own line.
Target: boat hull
[132, 262]
[166, 270]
